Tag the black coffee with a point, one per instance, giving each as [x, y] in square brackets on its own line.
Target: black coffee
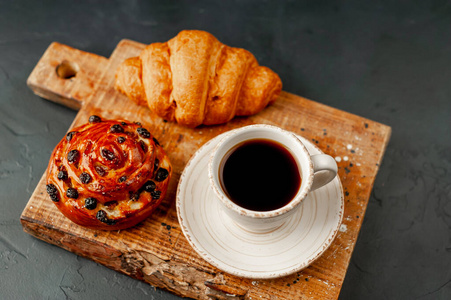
[260, 175]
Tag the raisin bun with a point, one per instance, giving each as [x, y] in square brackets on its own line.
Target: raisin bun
[108, 174]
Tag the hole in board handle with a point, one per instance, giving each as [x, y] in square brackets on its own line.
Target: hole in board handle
[67, 69]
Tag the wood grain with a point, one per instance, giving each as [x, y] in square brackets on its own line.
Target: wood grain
[47, 79]
[156, 251]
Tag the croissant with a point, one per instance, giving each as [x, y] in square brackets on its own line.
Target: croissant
[108, 174]
[194, 79]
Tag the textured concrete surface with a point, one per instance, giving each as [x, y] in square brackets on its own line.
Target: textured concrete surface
[387, 62]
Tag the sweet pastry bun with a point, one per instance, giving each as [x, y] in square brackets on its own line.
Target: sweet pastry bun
[108, 174]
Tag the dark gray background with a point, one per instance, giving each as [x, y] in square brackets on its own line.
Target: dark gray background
[387, 62]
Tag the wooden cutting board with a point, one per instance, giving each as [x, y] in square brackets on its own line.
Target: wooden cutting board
[156, 250]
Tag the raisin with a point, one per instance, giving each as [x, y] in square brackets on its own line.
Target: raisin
[72, 193]
[120, 139]
[149, 186]
[156, 164]
[51, 189]
[69, 135]
[110, 222]
[156, 141]
[116, 128]
[111, 204]
[85, 178]
[62, 175]
[53, 192]
[73, 156]
[101, 216]
[123, 123]
[100, 171]
[143, 132]
[134, 196]
[143, 146]
[162, 174]
[94, 119]
[108, 154]
[155, 195]
[90, 203]
[122, 178]
[55, 198]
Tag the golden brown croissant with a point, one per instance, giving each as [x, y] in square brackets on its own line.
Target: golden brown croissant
[194, 79]
[108, 174]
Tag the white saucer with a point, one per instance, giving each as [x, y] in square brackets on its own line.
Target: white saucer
[225, 245]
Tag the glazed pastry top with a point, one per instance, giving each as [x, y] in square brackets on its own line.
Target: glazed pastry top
[106, 172]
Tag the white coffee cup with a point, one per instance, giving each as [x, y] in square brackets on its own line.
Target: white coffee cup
[315, 172]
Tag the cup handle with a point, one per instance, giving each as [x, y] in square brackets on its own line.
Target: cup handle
[324, 168]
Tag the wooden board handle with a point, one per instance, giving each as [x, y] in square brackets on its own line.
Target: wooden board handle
[66, 75]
